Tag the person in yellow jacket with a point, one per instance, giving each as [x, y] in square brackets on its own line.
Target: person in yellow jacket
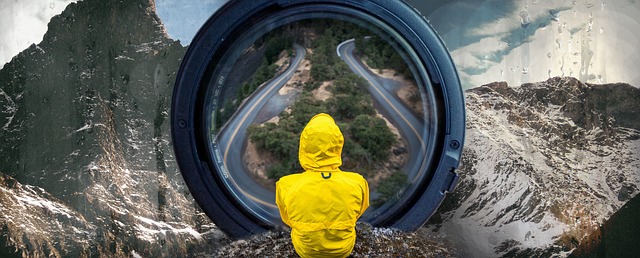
[322, 204]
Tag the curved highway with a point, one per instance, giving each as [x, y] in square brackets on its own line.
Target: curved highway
[229, 144]
[231, 140]
[411, 128]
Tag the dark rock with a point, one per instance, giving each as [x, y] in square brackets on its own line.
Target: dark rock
[370, 242]
[85, 122]
[531, 153]
[399, 150]
[627, 191]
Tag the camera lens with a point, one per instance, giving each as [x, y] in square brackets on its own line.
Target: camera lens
[257, 71]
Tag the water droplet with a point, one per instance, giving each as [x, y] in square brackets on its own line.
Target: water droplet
[525, 70]
[52, 5]
[559, 43]
[554, 15]
[549, 55]
[524, 19]
[601, 30]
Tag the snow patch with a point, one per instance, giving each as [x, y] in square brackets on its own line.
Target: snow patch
[121, 57]
[154, 228]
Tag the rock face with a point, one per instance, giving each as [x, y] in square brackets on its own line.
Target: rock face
[370, 242]
[86, 162]
[544, 165]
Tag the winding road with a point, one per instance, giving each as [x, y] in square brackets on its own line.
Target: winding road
[410, 127]
[230, 143]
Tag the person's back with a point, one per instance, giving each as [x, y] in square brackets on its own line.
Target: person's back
[322, 204]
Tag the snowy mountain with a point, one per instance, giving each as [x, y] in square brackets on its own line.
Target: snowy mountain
[545, 164]
[86, 163]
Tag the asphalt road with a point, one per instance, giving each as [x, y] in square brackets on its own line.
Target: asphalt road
[231, 142]
[392, 108]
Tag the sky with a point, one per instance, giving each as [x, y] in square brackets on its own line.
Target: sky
[515, 41]
[532, 40]
[184, 27]
[24, 22]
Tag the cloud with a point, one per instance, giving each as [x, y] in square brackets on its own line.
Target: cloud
[24, 22]
[503, 40]
[531, 40]
[458, 22]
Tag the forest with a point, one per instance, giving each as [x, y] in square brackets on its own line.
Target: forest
[368, 139]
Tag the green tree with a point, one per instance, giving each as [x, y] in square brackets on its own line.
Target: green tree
[280, 143]
[356, 154]
[373, 134]
[278, 170]
[379, 54]
[390, 188]
[303, 110]
[348, 107]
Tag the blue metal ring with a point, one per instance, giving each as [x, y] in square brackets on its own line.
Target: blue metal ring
[229, 22]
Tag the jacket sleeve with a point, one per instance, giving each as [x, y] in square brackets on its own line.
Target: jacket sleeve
[281, 205]
[365, 197]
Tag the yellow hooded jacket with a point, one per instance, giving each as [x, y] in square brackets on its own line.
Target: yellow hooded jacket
[322, 204]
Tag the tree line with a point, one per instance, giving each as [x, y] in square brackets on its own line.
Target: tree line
[273, 43]
[368, 139]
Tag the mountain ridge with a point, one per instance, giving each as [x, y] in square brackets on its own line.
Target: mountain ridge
[539, 175]
[85, 150]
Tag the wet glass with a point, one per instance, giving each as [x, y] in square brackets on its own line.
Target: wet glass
[279, 75]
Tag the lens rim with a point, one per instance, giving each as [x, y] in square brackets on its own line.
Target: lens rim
[189, 123]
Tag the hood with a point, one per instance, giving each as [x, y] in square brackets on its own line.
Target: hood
[321, 145]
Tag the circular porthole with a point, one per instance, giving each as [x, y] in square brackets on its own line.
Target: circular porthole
[258, 70]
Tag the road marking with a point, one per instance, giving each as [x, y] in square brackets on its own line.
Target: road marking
[362, 74]
[342, 44]
[287, 74]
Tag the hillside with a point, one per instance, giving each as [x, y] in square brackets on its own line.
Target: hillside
[545, 164]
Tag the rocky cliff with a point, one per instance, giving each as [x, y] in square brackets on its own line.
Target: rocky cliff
[85, 155]
[545, 164]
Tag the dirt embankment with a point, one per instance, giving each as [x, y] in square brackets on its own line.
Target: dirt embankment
[407, 91]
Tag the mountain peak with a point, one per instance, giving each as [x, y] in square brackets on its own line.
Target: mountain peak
[588, 105]
[134, 21]
[544, 165]
[86, 123]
